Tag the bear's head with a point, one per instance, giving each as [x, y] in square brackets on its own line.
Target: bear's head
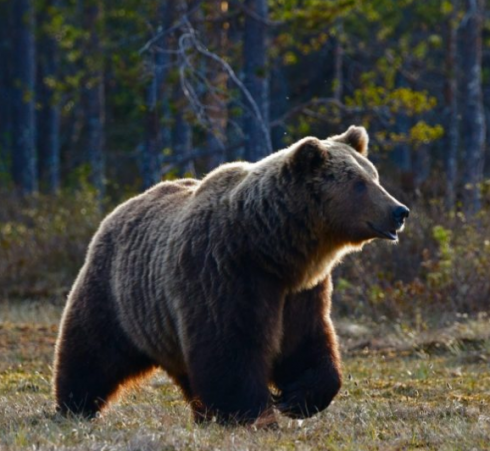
[336, 176]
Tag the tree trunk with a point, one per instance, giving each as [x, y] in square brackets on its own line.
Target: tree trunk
[5, 88]
[473, 117]
[451, 98]
[166, 13]
[48, 113]
[402, 154]
[338, 55]
[234, 126]
[95, 95]
[158, 133]
[151, 161]
[279, 103]
[256, 80]
[182, 139]
[215, 99]
[23, 101]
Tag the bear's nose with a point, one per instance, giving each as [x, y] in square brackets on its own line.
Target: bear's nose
[400, 214]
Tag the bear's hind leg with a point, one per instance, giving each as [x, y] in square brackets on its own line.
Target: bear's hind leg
[93, 359]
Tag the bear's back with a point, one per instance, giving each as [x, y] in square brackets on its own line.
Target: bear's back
[222, 181]
[129, 251]
[137, 227]
[154, 205]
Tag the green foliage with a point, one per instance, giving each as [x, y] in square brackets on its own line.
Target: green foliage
[440, 274]
[402, 99]
[400, 41]
[423, 133]
[310, 14]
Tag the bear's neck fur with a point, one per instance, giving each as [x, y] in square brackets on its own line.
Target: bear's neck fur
[279, 232]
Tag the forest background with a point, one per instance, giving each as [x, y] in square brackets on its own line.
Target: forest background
[100, 100]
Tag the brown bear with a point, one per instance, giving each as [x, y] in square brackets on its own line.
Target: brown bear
[225, 284]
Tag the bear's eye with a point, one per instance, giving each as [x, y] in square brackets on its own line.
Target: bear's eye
[360, 186]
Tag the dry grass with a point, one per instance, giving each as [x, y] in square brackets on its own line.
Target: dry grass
[403, 390]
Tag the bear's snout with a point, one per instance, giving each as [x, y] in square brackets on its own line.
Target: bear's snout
[399, 215]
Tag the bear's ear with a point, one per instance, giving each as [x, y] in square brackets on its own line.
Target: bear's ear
[356, 137]
[307, 154]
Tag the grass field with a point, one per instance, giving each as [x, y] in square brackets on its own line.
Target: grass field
[403, 389]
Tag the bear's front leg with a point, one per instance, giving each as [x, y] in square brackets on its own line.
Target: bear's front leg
[230, 380]
[230, 348]
[307, 373]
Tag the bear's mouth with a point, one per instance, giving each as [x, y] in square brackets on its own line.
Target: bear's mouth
[389, 234]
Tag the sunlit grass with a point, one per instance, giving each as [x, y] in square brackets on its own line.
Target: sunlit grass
[401, 390]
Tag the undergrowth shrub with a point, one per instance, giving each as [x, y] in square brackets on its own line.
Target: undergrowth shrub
[43, 240]
[440, 265]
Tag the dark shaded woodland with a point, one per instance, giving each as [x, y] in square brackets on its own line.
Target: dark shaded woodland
[99, 100]
[130, 93]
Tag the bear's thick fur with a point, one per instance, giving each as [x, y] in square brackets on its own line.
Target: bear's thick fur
[225, 284]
